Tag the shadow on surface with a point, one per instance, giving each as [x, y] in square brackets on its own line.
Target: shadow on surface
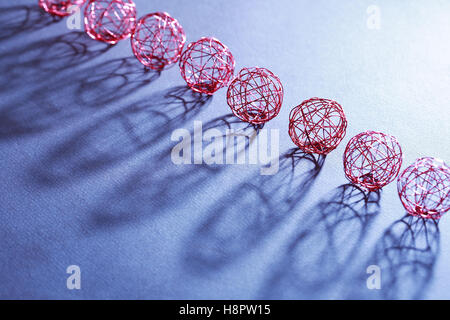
[111, 80]
[46, 58]
[244, 216]
[19, 19]
[405, 254]
[38, 82]
[158, 184]
[325, 245]
[119, 136]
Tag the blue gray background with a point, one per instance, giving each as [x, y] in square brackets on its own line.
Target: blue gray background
[86, 177]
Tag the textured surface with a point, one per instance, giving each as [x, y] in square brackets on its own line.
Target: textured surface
[87, 178]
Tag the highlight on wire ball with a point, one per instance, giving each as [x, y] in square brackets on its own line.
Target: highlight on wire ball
[255, 95]
[317, 125]
[158, 40]
[207, 65]
[110, 20]
[372, 160]
[60, 8]
[424, 188]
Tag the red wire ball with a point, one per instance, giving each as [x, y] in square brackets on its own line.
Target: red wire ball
[207, 65]
[60, 7]
[255, 95]
[317, 125]
[424, 188]
[110, 20]
[158, 40]
[372, 160]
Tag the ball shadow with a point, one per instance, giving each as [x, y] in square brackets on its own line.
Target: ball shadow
[238, 135]
[37, 80]
[119, 136]
[112, 80]
[244, 216]
[41, 59]
[326, 244]
[19, 19]
[159, 185]
[405, 254]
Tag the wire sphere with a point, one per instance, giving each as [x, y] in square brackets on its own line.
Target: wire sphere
[110, 20]
[372, 160]
[60, 8]
[317, 125]
[158, 40]
[207, 65]
[255, 95]
[424, 188]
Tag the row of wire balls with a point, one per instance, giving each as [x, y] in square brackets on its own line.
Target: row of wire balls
[371, 159]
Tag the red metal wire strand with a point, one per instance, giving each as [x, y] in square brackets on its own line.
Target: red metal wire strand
[59, 7]
[158, 40]
[424, 188]
[372, 159]
[317, 125]
[110, 20]
[207, 65]
[255, 95]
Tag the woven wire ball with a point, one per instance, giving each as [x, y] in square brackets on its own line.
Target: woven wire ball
[317, 125]
[424, 188]
[207, 65]
[255, 95]
[372, 160]
[158, 40]
[110, 20]
[60, 8]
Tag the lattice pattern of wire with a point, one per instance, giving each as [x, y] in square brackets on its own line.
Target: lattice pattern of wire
[372, 159]
[207, 65]
[158, 40]
[60, 8]
[255, 95]
[317, 125]
[424, 188]
[110, 20]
